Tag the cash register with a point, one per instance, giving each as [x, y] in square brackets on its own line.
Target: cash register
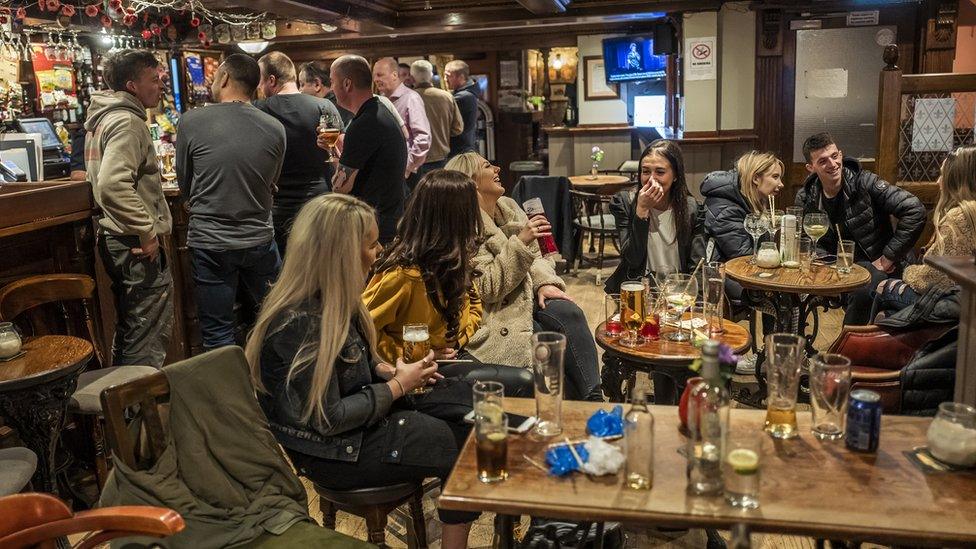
[56, 160]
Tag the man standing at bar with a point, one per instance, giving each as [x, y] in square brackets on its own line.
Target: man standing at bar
[442, 113]
[862, 205]
[374, 157]
[411, 108]
[228, 184]
[458, 77]
[306, 171]
[403, 71]
[121, 162]
[314, 80]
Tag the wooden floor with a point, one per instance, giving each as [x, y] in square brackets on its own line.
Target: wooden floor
[583, 288]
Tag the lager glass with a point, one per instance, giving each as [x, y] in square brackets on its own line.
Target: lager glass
[548, 349]
[713, 277]
[830, 385]
[492, 450]
[416, 346]
[632, 311]
[784, 358]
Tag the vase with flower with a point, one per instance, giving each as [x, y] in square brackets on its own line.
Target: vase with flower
[596, 155]
[727, 361]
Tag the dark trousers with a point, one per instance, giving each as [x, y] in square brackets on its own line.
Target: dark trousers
[143, 291]
[517, 381]
[895, 297]
[580, 362]
[216, 275]
[420, 438]
[859, 302]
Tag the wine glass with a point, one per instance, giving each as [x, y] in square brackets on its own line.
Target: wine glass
[680, 290]
[756, 225]
[815, 225]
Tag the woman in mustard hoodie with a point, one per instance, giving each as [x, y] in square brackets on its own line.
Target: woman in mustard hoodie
[426, 277]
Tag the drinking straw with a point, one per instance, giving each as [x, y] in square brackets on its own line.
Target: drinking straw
[772, 210]
[693, 273]
[535, 463]
[837, 226]
[572, 450]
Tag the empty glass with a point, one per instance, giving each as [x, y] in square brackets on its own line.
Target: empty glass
[805, 253]
[756, 225]
[830, 385]
[713, 280]
[680, 291]
[548, 349]
[784, 358]
[797, 212]
[845, 256]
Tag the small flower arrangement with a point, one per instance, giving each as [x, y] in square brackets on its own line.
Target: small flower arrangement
[596, 154]
[727, 361]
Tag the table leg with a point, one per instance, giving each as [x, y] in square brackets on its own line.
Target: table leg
[598, 542]
[37, 413]
[504, 535]
[617, 378]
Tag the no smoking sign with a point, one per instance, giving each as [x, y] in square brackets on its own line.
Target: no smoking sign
[701, 51]
[700, 58]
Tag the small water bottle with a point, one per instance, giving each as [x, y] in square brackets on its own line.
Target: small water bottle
[789, 244]
[708, 424]
[639, 439]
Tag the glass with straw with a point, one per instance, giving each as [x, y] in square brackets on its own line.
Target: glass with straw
[680, 291]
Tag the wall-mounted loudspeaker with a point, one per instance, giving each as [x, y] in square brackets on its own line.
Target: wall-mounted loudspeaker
[665, 40]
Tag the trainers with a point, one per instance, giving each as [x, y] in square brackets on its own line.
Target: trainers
[746, 365]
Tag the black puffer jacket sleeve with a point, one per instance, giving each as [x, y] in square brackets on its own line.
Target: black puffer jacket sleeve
[901, 204]
[631, 230]
[699, 239]
[724, 215]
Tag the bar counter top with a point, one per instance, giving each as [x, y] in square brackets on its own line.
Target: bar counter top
[689, 138]
[26, 207]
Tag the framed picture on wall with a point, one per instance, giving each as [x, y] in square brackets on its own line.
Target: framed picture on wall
[595, 86]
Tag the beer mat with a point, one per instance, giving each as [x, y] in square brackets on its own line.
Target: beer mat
[15, 357]
[928, 464]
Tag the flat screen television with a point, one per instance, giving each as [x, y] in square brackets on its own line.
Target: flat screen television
[628, 58]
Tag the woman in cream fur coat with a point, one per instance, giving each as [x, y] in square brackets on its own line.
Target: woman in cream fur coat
[520, 291]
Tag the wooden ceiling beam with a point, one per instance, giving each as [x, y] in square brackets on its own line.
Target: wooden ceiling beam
[349, 15]
[544, 7]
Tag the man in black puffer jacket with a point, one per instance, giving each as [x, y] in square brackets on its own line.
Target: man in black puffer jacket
[862, 204]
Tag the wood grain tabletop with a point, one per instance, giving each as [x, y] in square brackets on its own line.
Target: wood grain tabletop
[823, 280]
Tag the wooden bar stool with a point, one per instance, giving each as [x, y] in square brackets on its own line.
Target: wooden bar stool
[374, 504]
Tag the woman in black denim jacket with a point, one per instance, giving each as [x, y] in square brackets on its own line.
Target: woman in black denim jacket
[338, 411]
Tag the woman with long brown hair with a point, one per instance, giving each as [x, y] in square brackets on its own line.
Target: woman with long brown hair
[338, 411]
[427, 277]
[660, 228]
[954, 220]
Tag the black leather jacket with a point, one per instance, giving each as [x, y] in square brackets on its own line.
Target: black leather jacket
[632, 233]
[356, 397]
[869, 203]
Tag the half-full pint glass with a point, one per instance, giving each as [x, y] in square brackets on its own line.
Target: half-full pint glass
[547, 244]
[784, 357]
[548, 349]
[492, 451]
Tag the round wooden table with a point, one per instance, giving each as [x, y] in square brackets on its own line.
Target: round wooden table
[603, 184]
[34, 393]
[669, 358]
[790, 295]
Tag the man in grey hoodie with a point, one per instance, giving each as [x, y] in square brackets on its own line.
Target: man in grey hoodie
[121, 161]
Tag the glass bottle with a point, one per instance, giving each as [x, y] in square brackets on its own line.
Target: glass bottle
[708, 424]
[639, 439]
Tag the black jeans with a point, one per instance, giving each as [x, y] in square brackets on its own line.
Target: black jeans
[517, 381]
[143, 292]
[420, 438]
[859, 302]
[580, 363]
[215, 278]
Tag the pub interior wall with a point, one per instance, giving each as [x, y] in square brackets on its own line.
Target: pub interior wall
[606, 111]
[965, 60]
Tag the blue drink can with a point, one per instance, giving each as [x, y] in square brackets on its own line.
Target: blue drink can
[863, 421]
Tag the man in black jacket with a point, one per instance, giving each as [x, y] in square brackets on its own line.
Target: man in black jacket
[465, 89]
[863, 205]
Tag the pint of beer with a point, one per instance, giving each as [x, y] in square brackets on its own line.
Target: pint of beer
[416, 346]
[632, 310]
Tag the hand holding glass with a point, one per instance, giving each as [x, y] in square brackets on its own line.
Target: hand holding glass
[416, 347]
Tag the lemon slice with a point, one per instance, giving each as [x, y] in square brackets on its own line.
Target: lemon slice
[496, 437]
[743, 461]
[490, 411]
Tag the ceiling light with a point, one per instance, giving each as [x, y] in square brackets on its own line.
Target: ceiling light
[253, 46]
[427, 5]
[557, 63]
[328, 28]
[105, 38]
[454, 19]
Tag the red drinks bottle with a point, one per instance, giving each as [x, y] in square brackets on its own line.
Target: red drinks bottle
[547, 244]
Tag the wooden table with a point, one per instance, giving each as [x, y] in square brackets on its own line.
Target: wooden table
[34, 393]
[962, 270]
[808, 487]
[603, 184]
[670, 358]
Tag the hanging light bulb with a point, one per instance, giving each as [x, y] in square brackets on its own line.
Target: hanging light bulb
[105, 38]
[557, 63]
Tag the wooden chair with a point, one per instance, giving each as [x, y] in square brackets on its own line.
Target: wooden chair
[152, 393]
[591, 218]
[25, 298]
[41, 520]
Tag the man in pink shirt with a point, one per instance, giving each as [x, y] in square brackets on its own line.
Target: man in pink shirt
[411, 108]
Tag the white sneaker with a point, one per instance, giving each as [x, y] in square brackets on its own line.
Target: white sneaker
[746, 365]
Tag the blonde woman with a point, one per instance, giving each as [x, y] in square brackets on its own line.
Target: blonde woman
[520, 290]
[954, 220]
[731, 195]
[335, 408]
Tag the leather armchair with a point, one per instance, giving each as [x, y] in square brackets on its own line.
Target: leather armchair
[878, 356]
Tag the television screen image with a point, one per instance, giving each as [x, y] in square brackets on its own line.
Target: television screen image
[631, 58]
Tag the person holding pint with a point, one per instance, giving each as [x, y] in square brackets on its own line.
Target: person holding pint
[339, 411]
[426, 277]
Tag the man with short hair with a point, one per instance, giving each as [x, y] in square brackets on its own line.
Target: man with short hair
[120, 158]
[313, 79]
[306, 171]
[442, 113]
[403, 71]
[458, 77]
[374, 157]
[411, 108]
[228, 157]
[863, 205]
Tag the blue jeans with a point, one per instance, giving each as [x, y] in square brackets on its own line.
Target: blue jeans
[216, 276]
[580, 362]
